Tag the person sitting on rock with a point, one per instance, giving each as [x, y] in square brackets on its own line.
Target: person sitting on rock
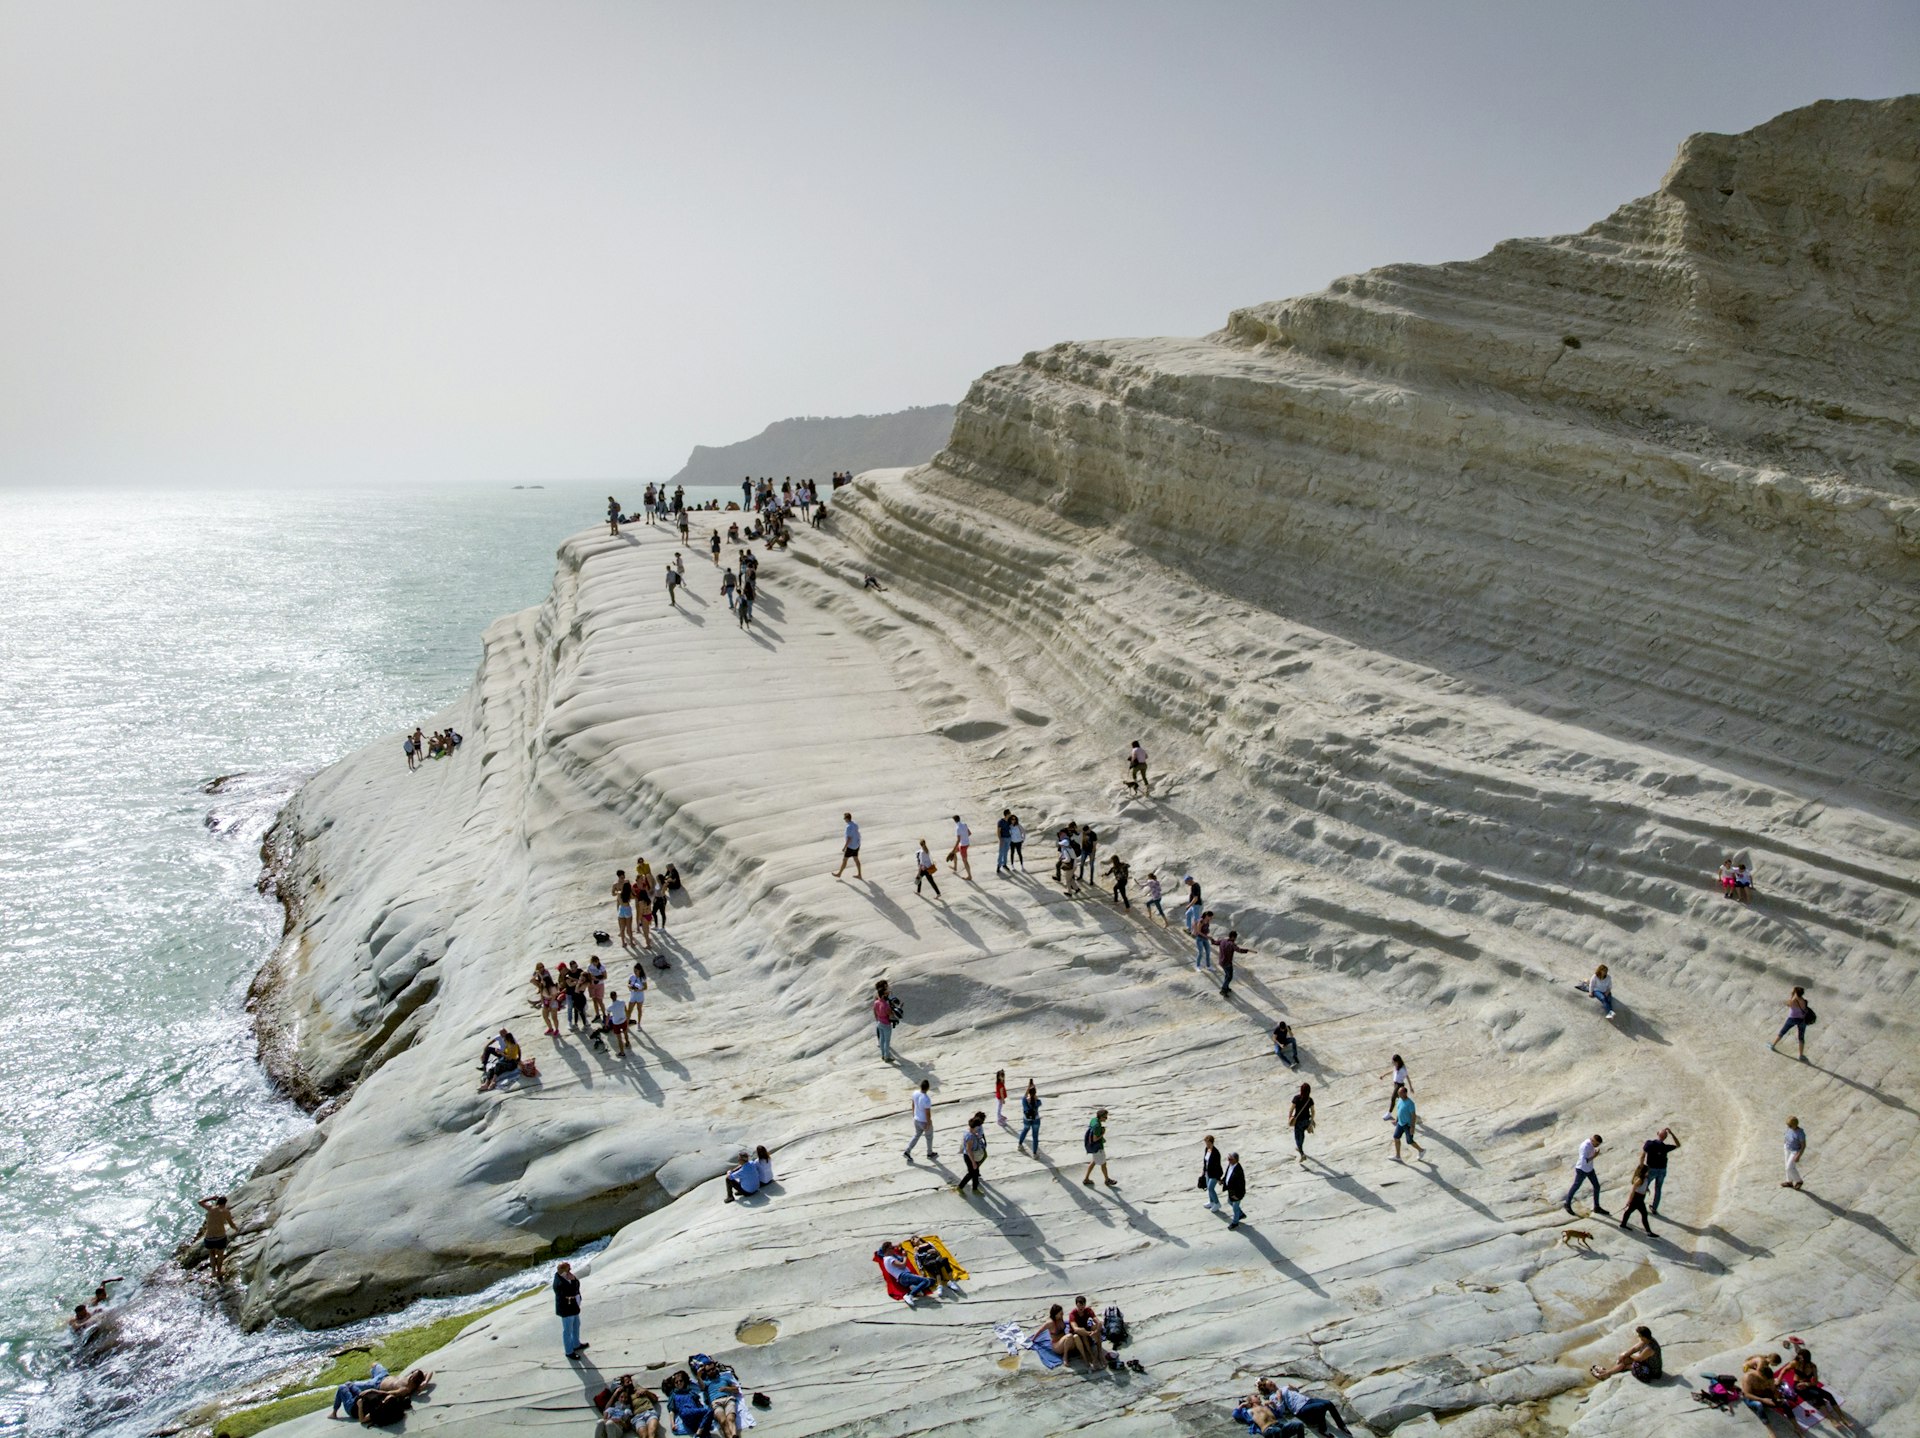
[744, 1177]
[1289, 1402]
[501, 1056]
[1642, 1359]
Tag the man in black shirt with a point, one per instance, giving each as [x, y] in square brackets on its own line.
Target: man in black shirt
[566, 1303]
[1656, 1150]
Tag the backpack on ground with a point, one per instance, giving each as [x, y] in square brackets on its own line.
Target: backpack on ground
[1114, 1325]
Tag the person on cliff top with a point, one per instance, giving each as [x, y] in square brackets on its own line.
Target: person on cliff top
[623, 907]
[613, 516]
[1089, 849]
[1642, 1359]
[597, 986]
[217, 1231]
[636, 994]
[1192, 913]
[660, 904]
[1016, 843]
[714, 546]
[922, 1121]
[1117, 871]
[566, 1303]
[729, 582]
[1300, 1119]
[500, 1056]
[885, 1015]
[1406, 1121]
[406, 747]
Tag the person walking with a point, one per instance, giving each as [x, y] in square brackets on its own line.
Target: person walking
[1228, 947]
[1137, 768]
[566, 1303]
[957, 856]
[1637, 1198]
[1397, 1071]
[1154, 904]
[673, 586]
[925, 870]
[1089, 849]
[922, 1120]
[1404, 1121]
[1192, 914]
[636, 996]
[1796, 1150]
[714, 546]
[849, 848]
[1211, 1172]
[1000, 1097]
[885, 1015]
[1235, 1184]
[973, 1152]
[1654, 1153]
[1799, 1015]
[1300, 1119]
[1095, 1143]
[1003, 833]
[1117, 871]
[1016, 844]
[1203, 941]
[1584, 1172]
[728, 583]
[1030, 1118]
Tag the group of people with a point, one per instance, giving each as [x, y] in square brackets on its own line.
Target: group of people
[1644, 1188]
[88, 1322]
[1736, 881]
[380, 1399]
[1081, 1332]
[704, 1398]
[1281, 1410]
[645, 899]
[441, 744]
[581, 993]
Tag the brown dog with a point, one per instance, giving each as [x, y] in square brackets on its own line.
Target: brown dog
[1576, 1238]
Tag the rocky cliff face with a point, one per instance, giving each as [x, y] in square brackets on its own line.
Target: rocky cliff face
[1664, 474]
[815, 447]
[1471, 614]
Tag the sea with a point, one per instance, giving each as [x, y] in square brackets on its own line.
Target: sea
[173, 665]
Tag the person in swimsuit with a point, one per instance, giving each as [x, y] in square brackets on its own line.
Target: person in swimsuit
[623, 907]
[597, 986]
[216, 1233]
[1642, 1359]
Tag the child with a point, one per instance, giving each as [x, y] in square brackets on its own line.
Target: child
[1154, 906]
[1000, 1096]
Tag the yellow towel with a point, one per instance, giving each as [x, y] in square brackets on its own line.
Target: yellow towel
[960, 1274]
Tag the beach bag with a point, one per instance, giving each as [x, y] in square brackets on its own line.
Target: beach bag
[1090, 1140]
[529, 1069]
[1114, 1325]
[1811, 1015]
[896, 1011]
[603, 1398]
[1722, 1392]
[601, 936]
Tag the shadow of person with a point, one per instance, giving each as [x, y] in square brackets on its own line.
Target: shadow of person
[1427, 1132]
[889, 910]
[1890, 1100]
[1864, 1220]
[1278, 1262]
[1425, 1167]
[1138, 1220]
[1348, 1185]
[1081, 1195]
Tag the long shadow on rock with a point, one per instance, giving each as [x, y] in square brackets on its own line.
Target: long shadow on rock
[1347, 1184]
[1864, 1220]
[1278, 1262]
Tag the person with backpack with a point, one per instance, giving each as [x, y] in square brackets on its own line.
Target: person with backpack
[1095, 1143]
[1235, 1184]
[406, 747]
[886, 1013]
[1211, 1172]
[1799, 1015]
[973, 1152]
[673, 586]
[1030, 1118]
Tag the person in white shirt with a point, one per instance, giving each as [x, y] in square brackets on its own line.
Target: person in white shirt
[1137, 768]
[922, 1120]
[1583, 1172]
[924, 869]
[617, 1023]
[1401, 1080]
[1600, 987]
[636, 994]
[957, 856]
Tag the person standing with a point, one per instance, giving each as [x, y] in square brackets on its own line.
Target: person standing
[636, 995]
[728, 583]
[613, 517]
[973, 1153]
[1654, 1151]
[1637, 1198]
[1404, 1121]
[1137, 768]
[922, 1121]
[1063, 867]
[1235, 1184]
[1030, 1118]
[1000, 1096]
[1089, 848]
[616, 1016]
[849, 848]
[1799, 1015]
[1228, 947]
[1300, 1117]
[925, 870]
[216, 1233]
[957, 856]
[1203, 941]
[406, 747]
[885, 1016]
[746, 493]
[1796, 1150]
[1016, 844]
[597, 986]
[1211, 1172]
[566, 1303]
[1003, 832]
[1192, 915]
[1584, 1172]
[714, 546]
[623, 907]
[1095, 1144]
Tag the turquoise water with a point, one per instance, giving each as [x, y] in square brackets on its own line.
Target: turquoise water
[150, 644]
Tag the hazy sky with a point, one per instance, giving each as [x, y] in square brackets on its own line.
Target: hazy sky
[279, 242]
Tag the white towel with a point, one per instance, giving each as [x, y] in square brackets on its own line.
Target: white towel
[1013, 1337]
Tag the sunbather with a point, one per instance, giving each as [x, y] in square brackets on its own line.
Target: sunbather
[1642, 1359]
[1068, 1343]
[688, 1405]
[722, 1391]
[894, 1260]
[1288, 1402]
[348, 1395]
[1762, 1393]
